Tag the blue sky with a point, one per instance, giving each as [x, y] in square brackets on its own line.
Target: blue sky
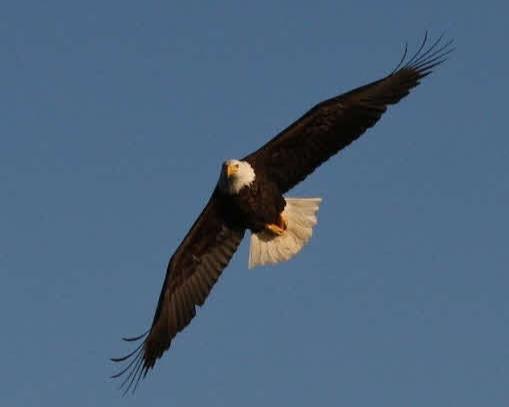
[116, 116]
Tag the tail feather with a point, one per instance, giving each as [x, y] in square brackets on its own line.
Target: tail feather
[300, 215]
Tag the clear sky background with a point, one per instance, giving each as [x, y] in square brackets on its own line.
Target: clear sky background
[115, 117]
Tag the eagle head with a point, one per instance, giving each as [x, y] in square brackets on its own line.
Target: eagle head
[235, 175]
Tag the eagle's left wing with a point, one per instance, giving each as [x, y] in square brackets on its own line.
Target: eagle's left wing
[192, 271]
[333, 124]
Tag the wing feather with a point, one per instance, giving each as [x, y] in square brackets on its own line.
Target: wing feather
[192, 272]
[335, 123]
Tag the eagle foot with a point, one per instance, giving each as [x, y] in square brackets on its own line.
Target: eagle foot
[279, 228]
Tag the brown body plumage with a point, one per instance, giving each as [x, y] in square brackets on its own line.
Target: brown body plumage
[259, 205]
[279, 165]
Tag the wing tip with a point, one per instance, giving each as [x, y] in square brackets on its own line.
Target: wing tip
[135, 368]
[429, 54]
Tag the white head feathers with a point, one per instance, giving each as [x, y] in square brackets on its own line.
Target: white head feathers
[235, 175]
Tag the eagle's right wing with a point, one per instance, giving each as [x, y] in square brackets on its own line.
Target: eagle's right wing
[192, 271]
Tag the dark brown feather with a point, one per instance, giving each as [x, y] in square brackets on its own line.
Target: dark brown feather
[192, 272]
[333, 124]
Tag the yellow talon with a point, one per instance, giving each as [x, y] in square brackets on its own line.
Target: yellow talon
[283, 222]
[278, 229]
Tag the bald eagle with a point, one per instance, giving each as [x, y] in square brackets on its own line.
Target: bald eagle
[250, 195]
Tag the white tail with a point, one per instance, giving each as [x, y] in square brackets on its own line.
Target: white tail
[300, 215]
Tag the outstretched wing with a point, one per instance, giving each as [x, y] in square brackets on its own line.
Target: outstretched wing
[333, 124]
[191, 274]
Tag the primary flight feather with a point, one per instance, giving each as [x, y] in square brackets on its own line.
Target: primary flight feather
[249, 196]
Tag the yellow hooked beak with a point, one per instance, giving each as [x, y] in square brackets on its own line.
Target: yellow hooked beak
[231, 169]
